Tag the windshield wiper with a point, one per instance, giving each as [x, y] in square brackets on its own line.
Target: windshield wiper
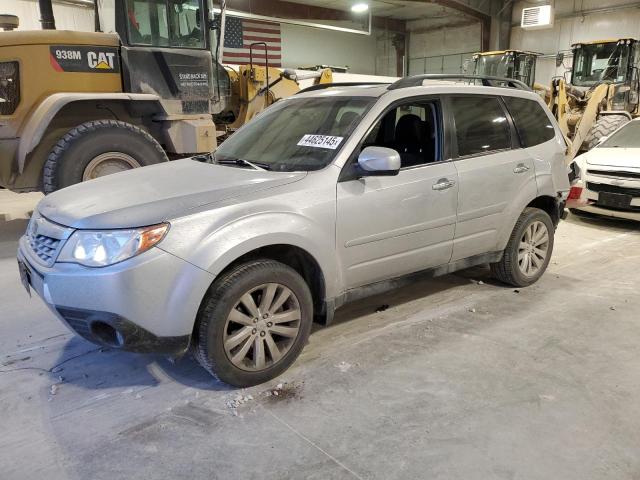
[242, 162]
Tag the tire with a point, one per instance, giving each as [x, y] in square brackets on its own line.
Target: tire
[511, 270]
[99, 146]
[217, 345]
[604, 126]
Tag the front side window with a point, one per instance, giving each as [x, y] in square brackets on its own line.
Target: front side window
[165, 23]
[296, 134]
[481, 125]
[532, 123]
[412, 130]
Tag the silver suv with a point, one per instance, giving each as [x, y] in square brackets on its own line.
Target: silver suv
[328, 196]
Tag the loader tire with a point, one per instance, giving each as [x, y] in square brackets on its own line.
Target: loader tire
[604, 126]
[97, 148]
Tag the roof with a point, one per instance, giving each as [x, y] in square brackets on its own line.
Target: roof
[502, 52]
[596, 42]
[57, 37]
[428, 87]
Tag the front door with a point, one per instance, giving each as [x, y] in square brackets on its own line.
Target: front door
[391, 226]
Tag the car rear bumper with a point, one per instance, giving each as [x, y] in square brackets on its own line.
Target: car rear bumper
[145, 304]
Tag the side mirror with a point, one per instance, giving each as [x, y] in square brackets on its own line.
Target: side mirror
[603, 139]
[379, 161]
[559, 59]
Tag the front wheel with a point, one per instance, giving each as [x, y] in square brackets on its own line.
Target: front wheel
[253, 323]
[528, 251]
[98, 148]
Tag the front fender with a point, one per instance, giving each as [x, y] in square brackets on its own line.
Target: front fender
[39, 120]
[215, 250]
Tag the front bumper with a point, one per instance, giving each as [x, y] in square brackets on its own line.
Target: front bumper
[147, 304]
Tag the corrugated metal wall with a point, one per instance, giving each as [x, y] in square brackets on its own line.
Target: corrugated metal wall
[575, 21]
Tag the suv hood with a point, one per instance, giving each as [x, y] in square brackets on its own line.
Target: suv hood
[154, 194]
[622, 158]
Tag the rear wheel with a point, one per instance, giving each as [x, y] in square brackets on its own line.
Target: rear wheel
[254, 323]
[528, 251]
[98, 148]
[604, 126]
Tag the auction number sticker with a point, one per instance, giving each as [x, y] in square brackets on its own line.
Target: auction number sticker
[320, 141]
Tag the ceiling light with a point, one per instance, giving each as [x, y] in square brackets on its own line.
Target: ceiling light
[359, 7]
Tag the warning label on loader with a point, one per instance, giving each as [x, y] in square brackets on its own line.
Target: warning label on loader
[79, 58]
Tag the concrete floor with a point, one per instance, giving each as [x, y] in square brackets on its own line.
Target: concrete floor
[455, 380]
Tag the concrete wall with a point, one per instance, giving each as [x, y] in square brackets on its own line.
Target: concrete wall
[574, 22]
[68, 17]
[363, 54]
[443, 50]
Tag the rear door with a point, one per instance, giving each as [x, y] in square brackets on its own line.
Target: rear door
[493, 172]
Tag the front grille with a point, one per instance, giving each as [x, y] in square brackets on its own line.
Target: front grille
[613, 173]
[44, 247]
[9, 87]
[46, 238]
[603, 187]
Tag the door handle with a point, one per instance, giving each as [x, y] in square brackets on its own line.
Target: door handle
[443, 184]
[521, 168]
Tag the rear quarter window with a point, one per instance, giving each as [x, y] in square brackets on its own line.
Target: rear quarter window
[531, 121]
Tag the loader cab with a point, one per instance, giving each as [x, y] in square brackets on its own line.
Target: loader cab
[515, 64]
[613, 62]
[166, 51]
[610, 61]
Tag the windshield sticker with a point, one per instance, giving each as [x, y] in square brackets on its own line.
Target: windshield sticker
[320, 141]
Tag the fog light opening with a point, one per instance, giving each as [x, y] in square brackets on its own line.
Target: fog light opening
[107, 334]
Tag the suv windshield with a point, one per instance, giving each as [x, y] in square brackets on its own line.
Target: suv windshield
[297, 134]
[627, 137]
[598, 63]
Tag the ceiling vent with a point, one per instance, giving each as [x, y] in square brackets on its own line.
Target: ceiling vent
[537, 17]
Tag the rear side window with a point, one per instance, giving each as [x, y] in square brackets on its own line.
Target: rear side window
[532, 123]
[481, 125]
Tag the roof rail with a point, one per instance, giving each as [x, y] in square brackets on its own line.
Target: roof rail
[322, 86]
[416, 80]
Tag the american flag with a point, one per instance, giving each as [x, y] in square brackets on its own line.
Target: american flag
[240, 33]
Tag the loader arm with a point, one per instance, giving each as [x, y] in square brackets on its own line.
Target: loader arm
[588, 119]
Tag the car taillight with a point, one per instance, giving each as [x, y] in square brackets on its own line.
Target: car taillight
[9, 87]
[575, 193]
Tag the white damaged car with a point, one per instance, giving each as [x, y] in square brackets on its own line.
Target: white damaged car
[606, 179]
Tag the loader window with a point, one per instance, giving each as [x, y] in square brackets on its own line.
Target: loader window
[165, 23]
[602, 62]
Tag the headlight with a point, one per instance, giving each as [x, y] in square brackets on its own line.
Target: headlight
[9, 87]
[94, 248]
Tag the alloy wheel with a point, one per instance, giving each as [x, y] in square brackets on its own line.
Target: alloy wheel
[533, 248]
[262, 327]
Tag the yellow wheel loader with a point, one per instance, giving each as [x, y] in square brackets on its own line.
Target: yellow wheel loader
[602, 94]
[78, 105]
